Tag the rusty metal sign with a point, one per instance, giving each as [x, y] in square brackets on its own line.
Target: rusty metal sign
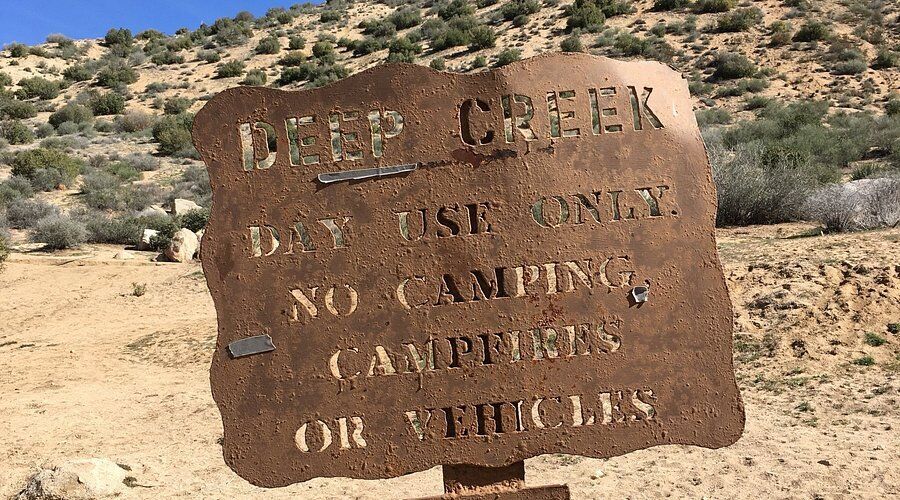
[464, 269]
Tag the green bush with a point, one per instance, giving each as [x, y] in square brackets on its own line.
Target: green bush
[378, 28]
[294, 58]
[508, 56]
[17, 50]
[730, 65]
[24, 213]
[74, 113]
[78, 73]
[405, 17]
[268, 45]
[120, 36]
[812, 31]
[103, 190]
[892, 108]
[231, 69]
[143, 162]
[5, 246]
[110, 103]
[571, 44]
[885, 59]
[850, 67]
[584, 14]
[781, 33]
[59, 232]
[209, 56]
[48, 179]
[167, 57]
[115, 75]
[713, 6]
[739, 20]
[177, 105]
[296, 42]
[134, 121]
[482, 37]
[438, 64]
[713, 116]
[324, 52]
[37, 87]
[195, 220]
[403, 50]
[121, 230]
[455, 8]
[19, 110]
[15, 188]
[664, 5]
[26, 163]
[255, 77]
[173, 134]
[515, 8]
[123, 170]
[330, 16]
[16, 132]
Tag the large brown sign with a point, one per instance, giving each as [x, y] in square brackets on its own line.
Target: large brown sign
[414, 268]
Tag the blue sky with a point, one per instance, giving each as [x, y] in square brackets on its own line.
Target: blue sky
[30, 21]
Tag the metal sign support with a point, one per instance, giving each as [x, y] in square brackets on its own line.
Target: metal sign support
[471, 482]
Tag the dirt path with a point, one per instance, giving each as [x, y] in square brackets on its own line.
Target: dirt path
[87, 369]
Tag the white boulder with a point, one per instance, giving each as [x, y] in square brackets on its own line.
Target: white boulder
[144, 244]
[81, 479]
[181, 207]
[183, 247]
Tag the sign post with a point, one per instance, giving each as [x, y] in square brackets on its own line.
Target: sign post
[413, 268]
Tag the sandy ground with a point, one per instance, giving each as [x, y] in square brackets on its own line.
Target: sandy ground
[87, 369]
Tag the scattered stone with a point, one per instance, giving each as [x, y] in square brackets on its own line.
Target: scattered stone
[597, 474]
[124, 255]
[145, 239]
[153, 211]
[181, 207]
[80, 479]
[824, 462]
[183, 247]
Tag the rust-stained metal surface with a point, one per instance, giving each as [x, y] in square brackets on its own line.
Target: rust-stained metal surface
[564, 295]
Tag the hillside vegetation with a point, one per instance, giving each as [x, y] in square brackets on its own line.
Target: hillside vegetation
[794, 95]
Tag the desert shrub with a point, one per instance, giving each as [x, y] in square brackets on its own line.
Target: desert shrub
[121, 230]
[584, 14]
[664, 5]
[255, 77]
[757, 102]
[167, 57]
[177, 105]
[19, 110]
[195, 220]
[812, 31]
[296, 42]
[24, 213]
[268, 45]
[515, 8]
[405, 17]
[116, 74]
[713, 116]
[123, 170]
[37, 87]
[16, 132]
[730, 65]
[5, 246]
[850, 67]
[739, 20]
[109, 103]
[58, 232]
[482, 37]
[571, 44]
[454, 8]
[508, 56]
[69, 128]
[193, 185]
[134, 121]
[755, 188]
[120, 36]
[15, 188]
[103, 190]
[378, 28]
[230, 69]
[173, 134]
[892, 108]
[5, 81]
[209, 56]
[403, 50]
[74, 113]
[862, 205]
[866, 171]
[781, 33]
[324, 52]
[885, 59]
[48, 179]
[713, 6]
[327, 73]
[293, 58]
[26, 163]
[143, 162]
[438, 63]
[330, 16]
[17, 50]
[78, 73]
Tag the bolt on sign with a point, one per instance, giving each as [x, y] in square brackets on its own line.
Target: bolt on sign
[414, 268]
